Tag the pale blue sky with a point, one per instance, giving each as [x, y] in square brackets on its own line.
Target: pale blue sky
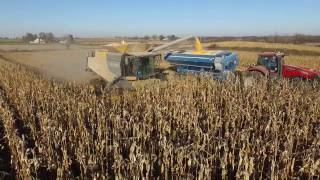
[97, 18]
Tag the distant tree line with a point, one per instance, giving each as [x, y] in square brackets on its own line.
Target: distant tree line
[294, 39]
[29, 37]
[153, 37]
[47, 37]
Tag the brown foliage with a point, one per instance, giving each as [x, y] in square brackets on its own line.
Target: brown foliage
[192, 128]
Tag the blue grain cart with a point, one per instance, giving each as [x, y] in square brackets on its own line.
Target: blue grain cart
[219, 65]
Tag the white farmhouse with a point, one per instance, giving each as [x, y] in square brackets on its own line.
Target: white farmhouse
[38, 41]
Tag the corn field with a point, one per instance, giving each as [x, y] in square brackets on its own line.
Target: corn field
[274, 46]
[194, 128]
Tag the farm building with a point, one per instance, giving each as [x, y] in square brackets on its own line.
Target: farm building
[38, 41]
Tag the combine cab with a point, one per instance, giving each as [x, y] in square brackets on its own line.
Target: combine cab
[272, 65]
[114, 67]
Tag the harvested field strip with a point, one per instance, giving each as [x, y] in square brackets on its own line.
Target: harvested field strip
[61, 65]
[3, 58]
[34, 71]
[24, 50]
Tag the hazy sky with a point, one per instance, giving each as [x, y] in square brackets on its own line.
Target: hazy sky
[98, 18]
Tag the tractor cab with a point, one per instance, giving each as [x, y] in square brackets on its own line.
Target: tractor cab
[269, 64]
[272, 61]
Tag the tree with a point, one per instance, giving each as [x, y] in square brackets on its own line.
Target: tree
[172, 37]
[29, 37]
[146, 38]
[42, 35]
[70, 38]
[299, 38]
[275, 38]
[49, 37]
[161, 37]
[155, 37]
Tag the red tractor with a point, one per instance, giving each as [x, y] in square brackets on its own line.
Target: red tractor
[272, 64]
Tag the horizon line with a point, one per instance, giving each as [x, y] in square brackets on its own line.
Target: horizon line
[150, 35]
